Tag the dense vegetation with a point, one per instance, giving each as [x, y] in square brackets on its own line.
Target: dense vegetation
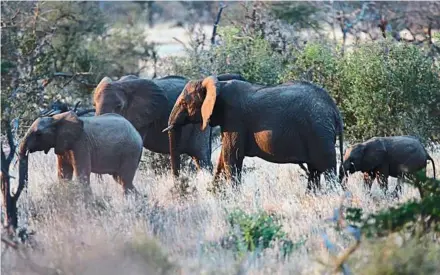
[384, 86]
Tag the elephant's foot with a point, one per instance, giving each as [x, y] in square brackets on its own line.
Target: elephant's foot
[181, 187]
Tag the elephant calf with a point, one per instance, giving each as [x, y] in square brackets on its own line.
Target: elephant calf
[386, 156]
[106, 144]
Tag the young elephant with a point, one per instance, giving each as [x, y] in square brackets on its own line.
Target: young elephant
[288, 123]
[386, 156]
[106, 144]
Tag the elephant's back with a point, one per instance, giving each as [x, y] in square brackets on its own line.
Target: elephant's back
[114, 130]
[172, 86]
[406, 153]
[301, 105]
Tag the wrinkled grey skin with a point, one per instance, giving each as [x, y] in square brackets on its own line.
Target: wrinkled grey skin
[382, 157]
[106, 144]
[147, 103]
[295, 122]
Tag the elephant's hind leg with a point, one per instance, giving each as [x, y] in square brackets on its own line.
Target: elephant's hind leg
[125, 177]
[368, 180]
[313, 183]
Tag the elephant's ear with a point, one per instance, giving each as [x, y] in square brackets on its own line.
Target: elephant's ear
[374, 154]
[68, 129]
[210, 84]
[146, 101]
[104, 81]
[101, 86]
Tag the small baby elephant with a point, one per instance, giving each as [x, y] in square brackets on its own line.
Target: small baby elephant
[393, 156]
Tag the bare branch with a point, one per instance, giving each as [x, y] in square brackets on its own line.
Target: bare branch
[214, 29]
[180, 41]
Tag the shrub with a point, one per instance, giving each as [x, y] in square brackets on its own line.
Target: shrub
[257, 231]
[318, 62]
[252, 57]
[382, 88]
[390, 89]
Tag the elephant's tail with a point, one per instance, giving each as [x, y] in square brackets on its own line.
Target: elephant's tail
[433, 164]
[341, 137]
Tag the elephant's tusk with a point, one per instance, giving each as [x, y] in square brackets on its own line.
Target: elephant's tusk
[168, 128]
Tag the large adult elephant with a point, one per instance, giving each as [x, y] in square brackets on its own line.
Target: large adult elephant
[147, 104]
[294, 122]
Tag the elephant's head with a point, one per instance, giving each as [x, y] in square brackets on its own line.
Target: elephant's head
[59, 131]
[363, 157]
[195, 104]
[140, 101]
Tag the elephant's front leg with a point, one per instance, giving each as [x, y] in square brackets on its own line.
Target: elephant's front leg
[398, 190]
[382, 179]
[81, 172]
[233, 156]
[220, 168]
[64, 169]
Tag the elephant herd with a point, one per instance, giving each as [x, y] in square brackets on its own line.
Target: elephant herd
[294, 122]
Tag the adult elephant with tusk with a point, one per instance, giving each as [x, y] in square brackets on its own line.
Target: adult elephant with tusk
[295, 122]
[147, 104]
[106, 144]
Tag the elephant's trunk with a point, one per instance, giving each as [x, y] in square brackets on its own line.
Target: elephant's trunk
[175, 156]
[176, 120]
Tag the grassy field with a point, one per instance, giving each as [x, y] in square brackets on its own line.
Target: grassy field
[180, 236]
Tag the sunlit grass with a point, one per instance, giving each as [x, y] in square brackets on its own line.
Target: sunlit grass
[114, 235]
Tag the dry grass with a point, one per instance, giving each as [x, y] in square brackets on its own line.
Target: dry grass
[115, 236]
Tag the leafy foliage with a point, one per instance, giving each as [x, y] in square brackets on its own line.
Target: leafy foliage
[383, 88]
[391, 89]
[57, 50]
[258, 231]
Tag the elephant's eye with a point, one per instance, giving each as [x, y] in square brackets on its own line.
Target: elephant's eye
[38, 133]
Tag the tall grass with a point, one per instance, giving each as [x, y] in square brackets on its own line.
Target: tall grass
[165, 234]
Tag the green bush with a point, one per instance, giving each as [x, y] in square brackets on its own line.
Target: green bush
[383, 88]
[257, 231]
[317, 62]
[390, 88]
[252, 57]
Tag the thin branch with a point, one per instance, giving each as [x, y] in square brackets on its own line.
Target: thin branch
[214, 29]
[183, 44]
